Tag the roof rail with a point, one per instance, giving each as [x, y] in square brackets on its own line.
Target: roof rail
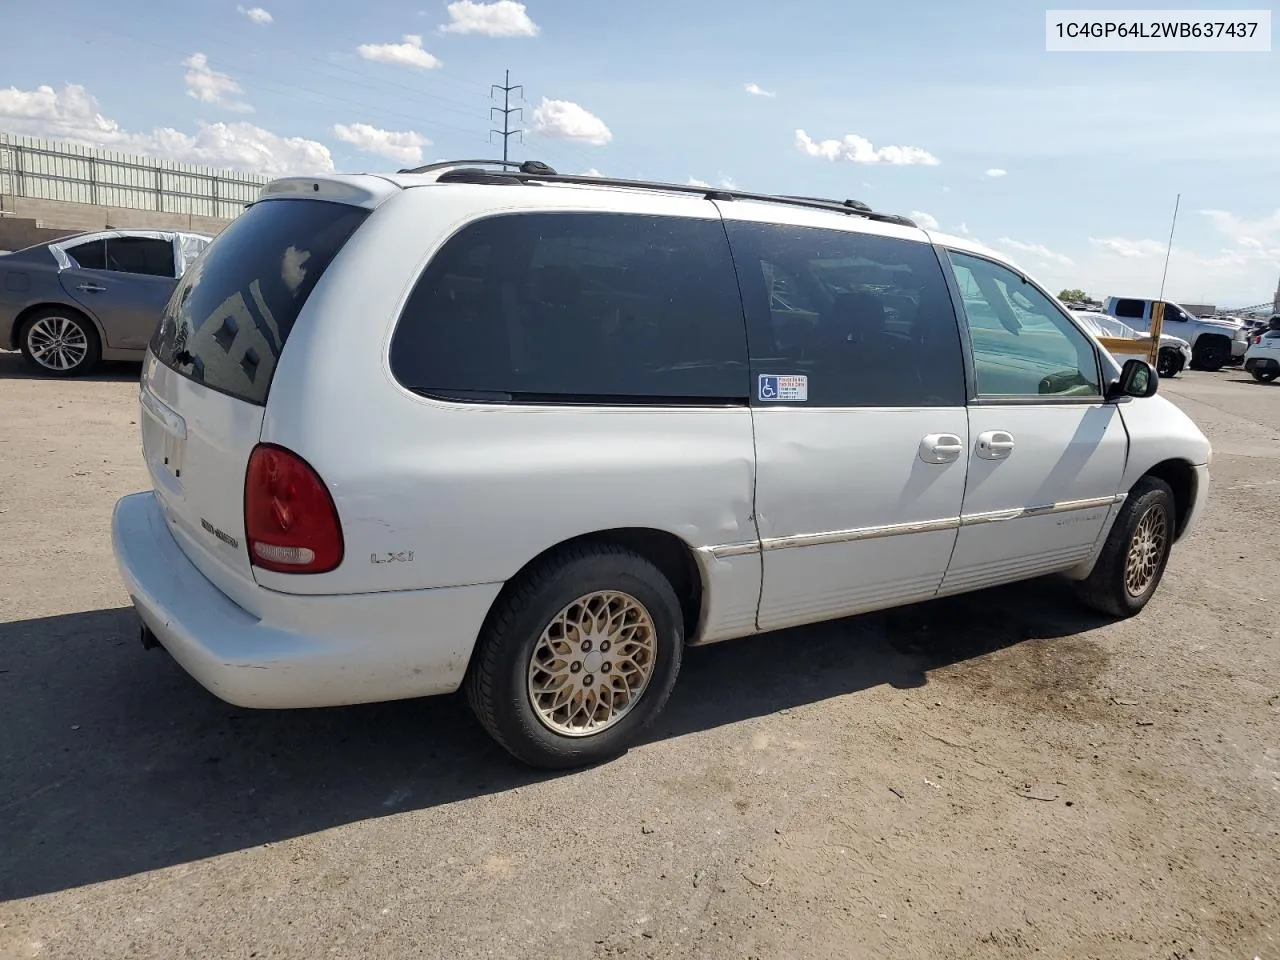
[534, 171]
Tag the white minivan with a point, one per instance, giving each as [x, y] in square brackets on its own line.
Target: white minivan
[532, 434]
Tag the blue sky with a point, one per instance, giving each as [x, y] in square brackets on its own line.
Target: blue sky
[1093, 147]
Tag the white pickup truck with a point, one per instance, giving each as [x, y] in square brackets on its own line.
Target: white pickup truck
[1214, 343]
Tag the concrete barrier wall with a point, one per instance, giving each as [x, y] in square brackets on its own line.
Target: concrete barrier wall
[24, 221]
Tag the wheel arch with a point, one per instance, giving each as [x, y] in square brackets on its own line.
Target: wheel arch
[666, 551]
[29, 311]
[1180, 475]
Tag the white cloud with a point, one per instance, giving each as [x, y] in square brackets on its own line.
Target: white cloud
[1123, 266]
[996, 172]
[1131, 249]
[593, 172]
[856, 149]
[1249, 233]
[504, 18]
[72, 114]
[728, 182]
[566, 120]
[1036, 249]
[926, 220]
[695, 182]
[403, 146]
[757, 91]
[210, 86]
[256, 14]
[406, 54]
[964, 229]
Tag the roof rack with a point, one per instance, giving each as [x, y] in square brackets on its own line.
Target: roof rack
[534, 171]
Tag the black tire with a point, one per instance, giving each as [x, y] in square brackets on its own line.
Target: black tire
[1168, 363]
[1211, 352]
[1107, 589]
[75, 330]
[1264, 376]
[497, 682]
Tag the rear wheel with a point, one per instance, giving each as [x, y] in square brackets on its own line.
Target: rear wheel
[1134, 557]
[60, 343]
[577, 657]
[1211, 352]
[1265, 376]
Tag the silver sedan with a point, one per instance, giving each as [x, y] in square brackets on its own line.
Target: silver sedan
[94, 296]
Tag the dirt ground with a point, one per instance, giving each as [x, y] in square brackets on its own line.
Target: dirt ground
[998, 775]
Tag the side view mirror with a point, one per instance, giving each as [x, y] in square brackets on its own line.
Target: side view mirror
[1137, 379]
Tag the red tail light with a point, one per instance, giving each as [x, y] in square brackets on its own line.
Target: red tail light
[290, 522]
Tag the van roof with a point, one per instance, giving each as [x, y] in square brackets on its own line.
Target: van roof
[372, 190]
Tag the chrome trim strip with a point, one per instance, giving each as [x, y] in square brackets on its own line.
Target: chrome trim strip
[859, 533]
[732, 550]
[1042, 510]
[905, 529]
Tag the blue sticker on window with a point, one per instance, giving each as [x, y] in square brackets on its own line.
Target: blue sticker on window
[793, 388]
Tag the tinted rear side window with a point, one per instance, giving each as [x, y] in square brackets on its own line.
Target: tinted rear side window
[232, 312]
[1130, 308]
[577, 307]
[861, 320]
[91, 255]
[144, 255]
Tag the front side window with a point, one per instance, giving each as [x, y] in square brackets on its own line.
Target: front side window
[1023, 346]
[577, 307]
[844, 319]
[143, 255]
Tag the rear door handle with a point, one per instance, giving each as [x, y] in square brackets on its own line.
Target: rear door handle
[941, 448]
[91, 288]
[995, 445]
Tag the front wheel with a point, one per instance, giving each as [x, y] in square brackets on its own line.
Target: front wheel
[577, 657]
[1134, 557]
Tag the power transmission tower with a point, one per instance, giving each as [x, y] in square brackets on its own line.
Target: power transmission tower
[506, 133]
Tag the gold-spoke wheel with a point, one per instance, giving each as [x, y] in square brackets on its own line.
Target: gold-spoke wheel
[592, 663]
[1146, 551]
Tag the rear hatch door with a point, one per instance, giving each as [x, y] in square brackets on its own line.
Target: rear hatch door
[211, 362]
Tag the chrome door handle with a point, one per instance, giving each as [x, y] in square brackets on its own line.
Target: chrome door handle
[995, 445]
[941, 448]
[91, 288]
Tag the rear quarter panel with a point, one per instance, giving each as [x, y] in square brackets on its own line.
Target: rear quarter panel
[435, 494]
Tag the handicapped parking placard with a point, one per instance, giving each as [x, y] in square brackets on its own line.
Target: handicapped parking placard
[792, 387]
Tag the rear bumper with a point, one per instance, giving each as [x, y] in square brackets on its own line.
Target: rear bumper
[1238, 348]
[303, 651]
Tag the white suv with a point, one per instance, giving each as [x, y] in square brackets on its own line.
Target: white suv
[533, 434]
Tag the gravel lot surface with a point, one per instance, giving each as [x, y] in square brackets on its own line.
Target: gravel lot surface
[997, 775]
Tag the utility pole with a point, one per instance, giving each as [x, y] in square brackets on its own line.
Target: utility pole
[506, 133]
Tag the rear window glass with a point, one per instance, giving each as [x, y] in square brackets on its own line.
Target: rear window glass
[1130, 308]
[577, 307]
[231, 314]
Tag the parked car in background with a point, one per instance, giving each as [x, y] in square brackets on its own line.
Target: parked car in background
[1263, 358]
[1174, 355]
[94, 296]
[531, 435]
[1214, 343]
